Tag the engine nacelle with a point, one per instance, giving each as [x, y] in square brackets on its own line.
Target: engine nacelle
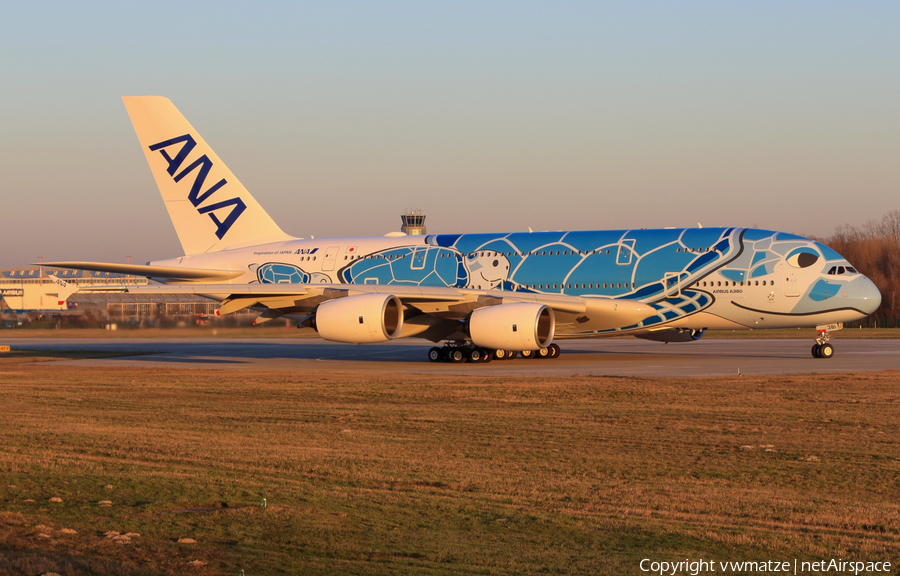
[519, 326]
[360, 319]
[674, 335]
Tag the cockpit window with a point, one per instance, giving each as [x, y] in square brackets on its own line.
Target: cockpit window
[838, 270]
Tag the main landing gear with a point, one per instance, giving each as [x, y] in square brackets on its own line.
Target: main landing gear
[456, 353]
[822, 349]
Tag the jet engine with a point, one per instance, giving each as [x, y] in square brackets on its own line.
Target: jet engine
[674, 335]
[519, 326]
[360, 319]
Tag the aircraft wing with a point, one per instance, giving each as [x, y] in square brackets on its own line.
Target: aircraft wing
[285, 298]
[435, 304]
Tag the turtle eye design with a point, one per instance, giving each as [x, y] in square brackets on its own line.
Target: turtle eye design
[802, 259]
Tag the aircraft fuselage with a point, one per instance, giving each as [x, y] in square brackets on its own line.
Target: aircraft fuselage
[692, 277]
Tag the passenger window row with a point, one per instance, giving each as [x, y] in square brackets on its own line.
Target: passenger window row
[726, 283]
[583, 285]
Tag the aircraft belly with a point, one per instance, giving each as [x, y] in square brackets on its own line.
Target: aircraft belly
[708, 320]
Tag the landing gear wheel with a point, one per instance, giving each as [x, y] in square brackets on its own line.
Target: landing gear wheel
[510, 354]
[527, 353]
[435, 355]
[501, 354]
[455, 355]
[476, 355]
[823, 349]
[486, 355]
[542, 353]
[554, 350]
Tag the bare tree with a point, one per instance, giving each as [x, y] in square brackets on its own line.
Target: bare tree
[874, 250]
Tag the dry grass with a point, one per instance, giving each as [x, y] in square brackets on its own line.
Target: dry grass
[439, 475]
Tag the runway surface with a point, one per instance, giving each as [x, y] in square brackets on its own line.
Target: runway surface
[614, 357]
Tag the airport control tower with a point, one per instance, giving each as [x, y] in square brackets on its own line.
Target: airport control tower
[413, 222]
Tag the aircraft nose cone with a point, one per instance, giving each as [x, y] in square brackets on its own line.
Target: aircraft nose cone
[866, 294]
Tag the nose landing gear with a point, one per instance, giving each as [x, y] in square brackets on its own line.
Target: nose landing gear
[822, 349]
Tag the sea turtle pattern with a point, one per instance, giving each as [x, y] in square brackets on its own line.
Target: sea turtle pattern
[659, 267]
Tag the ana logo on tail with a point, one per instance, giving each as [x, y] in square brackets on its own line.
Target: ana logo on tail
[202, 165]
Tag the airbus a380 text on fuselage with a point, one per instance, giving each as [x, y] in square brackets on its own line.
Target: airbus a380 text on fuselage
[485, 295]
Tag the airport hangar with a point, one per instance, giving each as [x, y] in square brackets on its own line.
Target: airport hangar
[29, 293]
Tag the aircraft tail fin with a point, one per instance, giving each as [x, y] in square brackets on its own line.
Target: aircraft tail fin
[208, 205]
[66, 289]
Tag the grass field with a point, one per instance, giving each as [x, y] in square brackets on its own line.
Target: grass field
[446, 475]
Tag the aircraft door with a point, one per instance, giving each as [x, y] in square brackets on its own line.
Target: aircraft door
[792, 282]
[673, 287]
[418, 259]
[626, 249]
[330, 256]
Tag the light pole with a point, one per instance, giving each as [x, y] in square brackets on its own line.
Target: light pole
[41, 278]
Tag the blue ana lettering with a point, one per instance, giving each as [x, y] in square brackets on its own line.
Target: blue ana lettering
[196, 196]
[205, 165]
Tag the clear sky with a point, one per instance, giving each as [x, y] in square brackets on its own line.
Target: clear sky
[489, 116]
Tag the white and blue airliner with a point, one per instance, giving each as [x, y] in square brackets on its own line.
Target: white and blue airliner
[485, 296]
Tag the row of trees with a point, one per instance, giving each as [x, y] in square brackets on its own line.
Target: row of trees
[874, 250]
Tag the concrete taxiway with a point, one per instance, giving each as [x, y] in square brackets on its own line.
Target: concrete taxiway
[613, 357]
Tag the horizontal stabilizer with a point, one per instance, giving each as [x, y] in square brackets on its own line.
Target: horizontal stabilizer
[168, 272]
[222, 290]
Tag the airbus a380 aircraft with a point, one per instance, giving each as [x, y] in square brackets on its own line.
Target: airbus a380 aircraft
[485, 295]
